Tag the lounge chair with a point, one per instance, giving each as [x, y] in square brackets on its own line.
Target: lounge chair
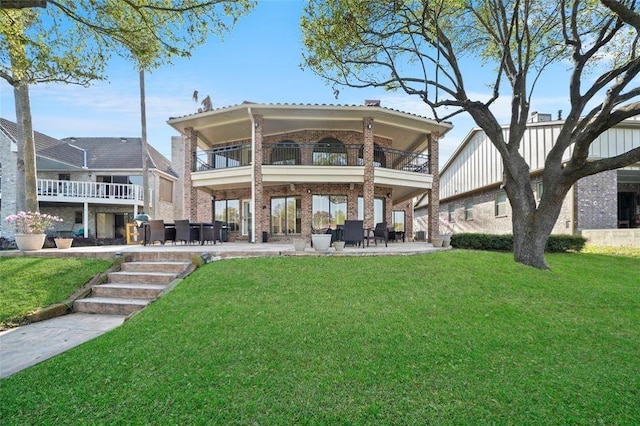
[185, 232]
[379, 233]
[353, 232]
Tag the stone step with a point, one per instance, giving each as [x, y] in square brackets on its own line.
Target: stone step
[176, 267]
[109, 305]
[141, 277]
[128, 291]
[173, 256]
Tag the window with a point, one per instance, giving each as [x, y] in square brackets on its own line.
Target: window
[451, 209]
[501, 204]
[378, 209]
[228, 211]
[398, 218]
[328, 211]
[539, 190]
[64, 176]
[468, 210]
[285, 215]
[78, 216]
[166, 190]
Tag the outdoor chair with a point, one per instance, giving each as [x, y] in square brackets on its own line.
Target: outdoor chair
[185, 232]
[379, 233]
[211, 232]
[353, 232]
[156, 232]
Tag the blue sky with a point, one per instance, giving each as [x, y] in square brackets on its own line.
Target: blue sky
[259, 61]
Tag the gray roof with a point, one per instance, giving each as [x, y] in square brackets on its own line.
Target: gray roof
[48, 147]
[102, 153]
[111, 153]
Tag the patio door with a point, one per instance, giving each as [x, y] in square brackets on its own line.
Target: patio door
[247, 214]
[105, 225]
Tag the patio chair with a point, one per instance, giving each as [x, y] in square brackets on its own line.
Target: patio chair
[157, 232]
[353, 232]
[379, 233]
[185, 232]
[211, 232]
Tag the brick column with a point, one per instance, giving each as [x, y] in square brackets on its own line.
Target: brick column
[259, 213]
[434, 192]
[190, 194]
[368, 186]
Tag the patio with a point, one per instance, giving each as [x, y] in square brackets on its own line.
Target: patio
[227, 250]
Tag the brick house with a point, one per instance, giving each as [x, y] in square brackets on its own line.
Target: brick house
[603, 207]
[276, 171]
[93, 184]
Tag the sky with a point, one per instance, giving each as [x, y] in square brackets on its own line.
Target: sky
[258, 61]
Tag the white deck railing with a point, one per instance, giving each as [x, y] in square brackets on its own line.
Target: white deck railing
[89, 190]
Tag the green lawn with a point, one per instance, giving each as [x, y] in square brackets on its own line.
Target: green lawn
[28, 283]
[453, 337]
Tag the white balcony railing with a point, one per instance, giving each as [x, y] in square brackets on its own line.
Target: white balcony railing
[65, 189]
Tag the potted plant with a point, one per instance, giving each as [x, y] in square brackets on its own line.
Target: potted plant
[446, 230]
[63, 242]
[299, 244]
[30, 227]
[320, 239]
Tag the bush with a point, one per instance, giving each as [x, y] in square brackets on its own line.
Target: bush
[491, 242]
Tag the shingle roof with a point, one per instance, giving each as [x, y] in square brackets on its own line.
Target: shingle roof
[46, 146]
[111, 153]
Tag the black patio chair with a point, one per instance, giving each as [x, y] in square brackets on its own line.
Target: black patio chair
[353, 232]
[185, 232]
[379, 233]
[156, 232]
[211, 232]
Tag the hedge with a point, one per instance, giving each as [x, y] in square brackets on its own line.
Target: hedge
[491, 242]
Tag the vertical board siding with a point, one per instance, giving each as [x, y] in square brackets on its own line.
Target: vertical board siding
[478, 163]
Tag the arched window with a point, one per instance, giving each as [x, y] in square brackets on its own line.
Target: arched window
[329, 152]
[379, 159]
[285, 152]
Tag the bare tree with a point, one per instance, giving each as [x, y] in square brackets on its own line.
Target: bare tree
[416, 47]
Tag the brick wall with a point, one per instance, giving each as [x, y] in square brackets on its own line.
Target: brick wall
[597, 201]
[8, 173]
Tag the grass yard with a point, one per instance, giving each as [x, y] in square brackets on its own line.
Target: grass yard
[29, 283]
[453, 337]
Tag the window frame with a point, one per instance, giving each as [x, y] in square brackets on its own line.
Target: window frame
[501, 204]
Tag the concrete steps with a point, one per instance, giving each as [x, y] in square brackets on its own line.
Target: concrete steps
[132, 288]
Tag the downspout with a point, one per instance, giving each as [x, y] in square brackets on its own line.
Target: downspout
[253, 176]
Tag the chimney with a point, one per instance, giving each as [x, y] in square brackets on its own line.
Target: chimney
[372, 102]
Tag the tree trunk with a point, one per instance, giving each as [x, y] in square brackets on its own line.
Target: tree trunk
[529, 241]
[27, 193]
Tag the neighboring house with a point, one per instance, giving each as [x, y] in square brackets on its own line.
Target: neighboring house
[471, 198]
[277, 171]
[94, 184]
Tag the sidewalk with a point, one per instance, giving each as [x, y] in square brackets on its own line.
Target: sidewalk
[28, 345]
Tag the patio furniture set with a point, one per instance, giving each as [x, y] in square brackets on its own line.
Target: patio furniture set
[353, 232]
[182, 230]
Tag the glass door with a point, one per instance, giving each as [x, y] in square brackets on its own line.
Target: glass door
[247, 214]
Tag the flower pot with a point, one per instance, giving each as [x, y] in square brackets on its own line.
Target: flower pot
[321, 242]
[63, 243]
[437, 241]
[446, 240]
[339, 245]
[299, 244]
[29, 242]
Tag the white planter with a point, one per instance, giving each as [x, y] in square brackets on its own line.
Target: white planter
[446, 240]
[299, 244]
[29, 242]
[63, 243]
[321, 242]
[339, 245]
[437, 241]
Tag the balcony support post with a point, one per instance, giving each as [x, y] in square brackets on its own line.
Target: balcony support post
[85, 219]
[368, 185]
[434, 192]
